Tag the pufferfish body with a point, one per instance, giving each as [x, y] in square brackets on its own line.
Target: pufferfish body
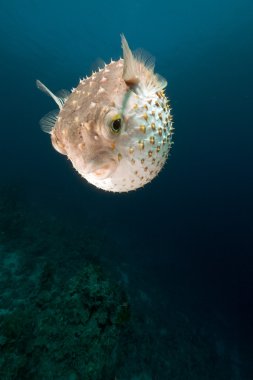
[116, 125]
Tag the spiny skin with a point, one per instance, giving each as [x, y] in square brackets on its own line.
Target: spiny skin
[116, 162]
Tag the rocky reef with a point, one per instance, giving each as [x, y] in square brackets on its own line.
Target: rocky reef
[69, 331]
[68, 310]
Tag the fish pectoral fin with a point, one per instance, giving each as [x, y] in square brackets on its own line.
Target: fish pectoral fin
[130, 72]
[138, 70]
[59, 99]
[48, 121]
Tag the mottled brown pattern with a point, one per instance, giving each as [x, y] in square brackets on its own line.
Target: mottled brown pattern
[126, 90]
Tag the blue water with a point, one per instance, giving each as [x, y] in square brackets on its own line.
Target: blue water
[191, 230]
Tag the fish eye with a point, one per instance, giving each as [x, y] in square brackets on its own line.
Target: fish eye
[116, 124]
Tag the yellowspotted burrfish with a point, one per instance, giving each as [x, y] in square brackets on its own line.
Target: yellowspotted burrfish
[116, 125]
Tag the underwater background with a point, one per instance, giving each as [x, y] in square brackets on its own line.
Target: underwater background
[152, 284]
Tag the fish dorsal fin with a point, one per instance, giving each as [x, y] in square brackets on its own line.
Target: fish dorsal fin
[138, 71]
[48, 121]
[98, 65]
[63, 94]
[59, 99]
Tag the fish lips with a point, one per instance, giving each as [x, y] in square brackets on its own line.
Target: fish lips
[101, 164]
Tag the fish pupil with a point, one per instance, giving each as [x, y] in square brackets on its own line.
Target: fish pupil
[116, 125]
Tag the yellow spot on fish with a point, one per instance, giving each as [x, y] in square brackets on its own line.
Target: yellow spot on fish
[141, 145]
[152, 140]
[143, 128]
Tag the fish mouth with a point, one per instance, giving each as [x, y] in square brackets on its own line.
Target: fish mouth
[101, 166]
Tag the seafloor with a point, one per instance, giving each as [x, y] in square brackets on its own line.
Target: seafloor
[74, 308]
